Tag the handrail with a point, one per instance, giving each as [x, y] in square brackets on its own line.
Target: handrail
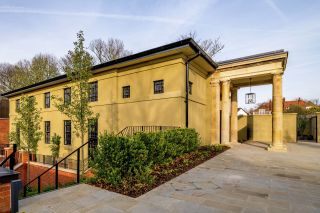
[131, 130]
[56, 168]
[11, 157]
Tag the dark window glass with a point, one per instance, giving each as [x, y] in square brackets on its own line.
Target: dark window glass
[158, 86]
[17, 104]
[47, 100]
[67, 132]
[47, 132]
[190, 87]
[93, 129]
[126, 92]
[93, 93]
[67, 96]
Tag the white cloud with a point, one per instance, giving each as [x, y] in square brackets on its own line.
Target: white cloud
[23, 10]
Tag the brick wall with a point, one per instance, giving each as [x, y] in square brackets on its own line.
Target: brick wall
[48, 179]
[5, 190]
[4, 130]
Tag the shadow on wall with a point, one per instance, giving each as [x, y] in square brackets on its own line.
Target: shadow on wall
[259, 128]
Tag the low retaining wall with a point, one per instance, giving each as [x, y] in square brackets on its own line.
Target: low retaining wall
[259, 128]
[4, 130]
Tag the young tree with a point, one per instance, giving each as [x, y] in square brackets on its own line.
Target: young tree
[108, 51]
[55, 146]
[78, 70]
[27, 125]
[211, 47]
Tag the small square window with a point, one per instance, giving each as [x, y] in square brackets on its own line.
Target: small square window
[47, 100]
[126, 92]
[190, 87]
[158, 86]
[67, 95]
[93, 93]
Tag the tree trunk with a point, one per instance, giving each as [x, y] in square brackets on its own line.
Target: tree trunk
[82, 153]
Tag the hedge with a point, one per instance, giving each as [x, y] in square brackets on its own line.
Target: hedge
[119, 158]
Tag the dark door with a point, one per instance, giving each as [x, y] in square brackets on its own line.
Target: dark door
[92, 136]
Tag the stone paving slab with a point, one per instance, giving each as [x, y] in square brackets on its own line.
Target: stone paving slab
[243, 179]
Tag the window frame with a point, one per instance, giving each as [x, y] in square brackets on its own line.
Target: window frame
[47, 101]
[123, 91]
[65, 95]
[190, 87]
[47, 132]
[93, 91]
[67, 141]
[17, 105]
[156, 90]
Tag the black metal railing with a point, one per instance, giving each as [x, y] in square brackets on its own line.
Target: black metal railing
[56, 167]
[11, 158]
[131, 130]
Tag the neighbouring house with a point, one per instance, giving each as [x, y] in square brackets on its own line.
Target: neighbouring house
[4, 124]
[177, 85]
[242, 112]
[266, 108]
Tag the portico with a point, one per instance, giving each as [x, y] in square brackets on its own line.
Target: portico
[260, 69]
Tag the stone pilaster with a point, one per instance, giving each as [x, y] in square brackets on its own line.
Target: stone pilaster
[225, 112]
[215, 112]
[234, 115]
[277, 115]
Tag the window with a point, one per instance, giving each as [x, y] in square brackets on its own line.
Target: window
[190, 87]
[158, 86]
[93, 93]
[47, 132]
[93, 129]
[126, 92]
[17, 104]
[67, 95]
[47, 100]
[67, 132]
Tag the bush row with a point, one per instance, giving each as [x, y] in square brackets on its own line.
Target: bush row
[123, 158]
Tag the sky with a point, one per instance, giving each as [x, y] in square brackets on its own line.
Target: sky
[245, 27]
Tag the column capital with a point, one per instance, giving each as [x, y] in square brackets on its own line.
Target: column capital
[225, 81]
[214, 83]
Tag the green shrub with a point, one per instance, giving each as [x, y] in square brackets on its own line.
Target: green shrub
[218, 147]
[117, 158]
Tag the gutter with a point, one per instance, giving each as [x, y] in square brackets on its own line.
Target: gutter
[187, 87]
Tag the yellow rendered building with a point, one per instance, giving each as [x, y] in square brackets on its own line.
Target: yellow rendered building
[150, 89]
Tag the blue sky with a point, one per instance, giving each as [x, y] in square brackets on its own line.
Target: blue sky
[245, 27]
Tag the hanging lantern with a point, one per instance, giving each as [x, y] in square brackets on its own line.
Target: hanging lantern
[250, 97]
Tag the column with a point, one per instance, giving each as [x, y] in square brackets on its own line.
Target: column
[225, 114]
[215, 112]
[234, 115]
[277, 115]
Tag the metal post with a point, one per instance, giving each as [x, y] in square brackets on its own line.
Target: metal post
[15, 189]
[78, 166]
[25, 191]
[57, 171]
[12, 158]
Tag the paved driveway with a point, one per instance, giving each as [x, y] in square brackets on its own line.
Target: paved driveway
[245, 178]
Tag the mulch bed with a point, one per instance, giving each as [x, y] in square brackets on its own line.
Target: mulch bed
[164, 173]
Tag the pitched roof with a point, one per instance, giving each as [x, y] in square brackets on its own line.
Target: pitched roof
[172, 46]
